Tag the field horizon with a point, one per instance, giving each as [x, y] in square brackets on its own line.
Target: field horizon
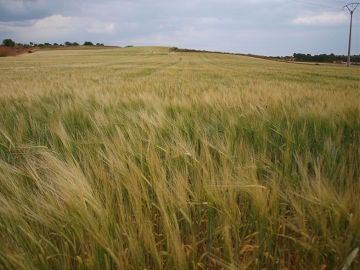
[19, 50]
[148, 158]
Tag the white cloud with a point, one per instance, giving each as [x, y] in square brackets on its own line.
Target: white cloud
[55, 23]
[209, 20]
[57, 27]
[99, 27]
[325, 18]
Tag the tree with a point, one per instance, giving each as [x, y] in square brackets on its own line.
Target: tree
[8, 42]
[88, 43]
[68, 43]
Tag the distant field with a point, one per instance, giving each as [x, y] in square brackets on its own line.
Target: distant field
[143, 158]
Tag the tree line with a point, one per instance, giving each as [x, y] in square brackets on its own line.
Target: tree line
[324, 58]
[10, 43]
[299, 57]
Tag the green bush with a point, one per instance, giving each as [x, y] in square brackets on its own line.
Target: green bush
[8, 42]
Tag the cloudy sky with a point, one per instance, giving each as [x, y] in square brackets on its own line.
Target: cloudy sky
[266, 27]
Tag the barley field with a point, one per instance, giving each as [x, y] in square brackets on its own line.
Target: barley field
[144, 158]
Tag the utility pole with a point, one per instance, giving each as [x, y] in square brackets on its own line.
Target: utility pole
[351, 8]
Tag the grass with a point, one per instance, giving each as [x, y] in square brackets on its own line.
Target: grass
[142, 158]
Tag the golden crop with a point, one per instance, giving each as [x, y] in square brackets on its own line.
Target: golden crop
[143, 158]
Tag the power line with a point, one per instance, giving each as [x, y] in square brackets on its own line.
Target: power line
[315, 4]
[351, 8]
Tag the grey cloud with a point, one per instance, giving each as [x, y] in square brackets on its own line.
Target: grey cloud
[16, 10]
